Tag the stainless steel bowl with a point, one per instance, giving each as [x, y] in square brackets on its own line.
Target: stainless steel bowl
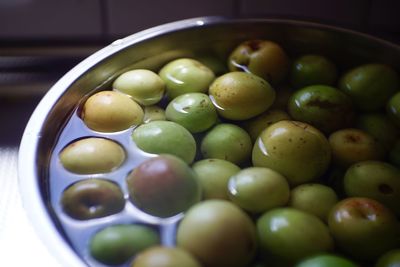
[151, 49]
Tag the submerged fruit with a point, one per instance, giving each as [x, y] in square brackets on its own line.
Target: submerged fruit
[240, 95]
[263, 58]
[186, 75]
[258, 189]
[316, 199]
[380, 127]
[194, 111]
[228, 142]
[297, 150]
[312, 69]
[370, 85]
[356, 223]
[322, 106]
[92, 155]
[144, 86]
[326, 260]
[116, 244]
[92, 198]
[110, 111]
[153, 113]
[165, 257]
[163, 186]
[376, 180]
[218, 234]
[165, 137]
[292, 234]
[213, 176]
[350, 146]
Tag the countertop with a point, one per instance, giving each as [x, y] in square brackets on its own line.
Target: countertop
[19, 243]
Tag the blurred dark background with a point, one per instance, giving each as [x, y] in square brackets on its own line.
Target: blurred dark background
[40, 40]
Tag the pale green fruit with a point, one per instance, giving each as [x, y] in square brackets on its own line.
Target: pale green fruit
[153, 113]
[194, 111]
[165, 257]
[296, 150]
[186, 75]
[213, 176]
[165, 137]
[92, 155]
[258, 189]
[227, 141]
[316, 199]
[240, 95]
[218, 233]
[110, 111]
[144, 86]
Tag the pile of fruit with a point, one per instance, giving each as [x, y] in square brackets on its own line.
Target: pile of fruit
[264, 161]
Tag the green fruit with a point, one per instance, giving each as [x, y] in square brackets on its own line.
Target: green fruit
[213, 176]
[163, 186]
[186, 75]
[116, 244]
[293, 234]
[326, 260]
[312, 70]
[153, 113]
[228, 142]
[240, 95]
[363, 228]
[92, 155]
[376, 180]
[194, 111]
[393, 108]
[144, 86]
[389, 259]
[350, 146]
[257, 189]
[297, 150]
[165, 137]
[110, 111]
[256, 125]
[92, 198]
[165, 257]
[316, 199]
[218, 234]
[370, 86]
[379, 126]
[263, 58]
[322, 106]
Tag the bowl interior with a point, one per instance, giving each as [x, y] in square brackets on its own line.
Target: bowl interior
[151, 49]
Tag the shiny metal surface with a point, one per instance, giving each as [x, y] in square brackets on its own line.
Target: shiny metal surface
[151, 49]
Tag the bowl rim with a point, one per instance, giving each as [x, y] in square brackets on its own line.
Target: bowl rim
[32, 199]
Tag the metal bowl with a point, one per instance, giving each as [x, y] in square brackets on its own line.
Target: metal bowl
[151, 49]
